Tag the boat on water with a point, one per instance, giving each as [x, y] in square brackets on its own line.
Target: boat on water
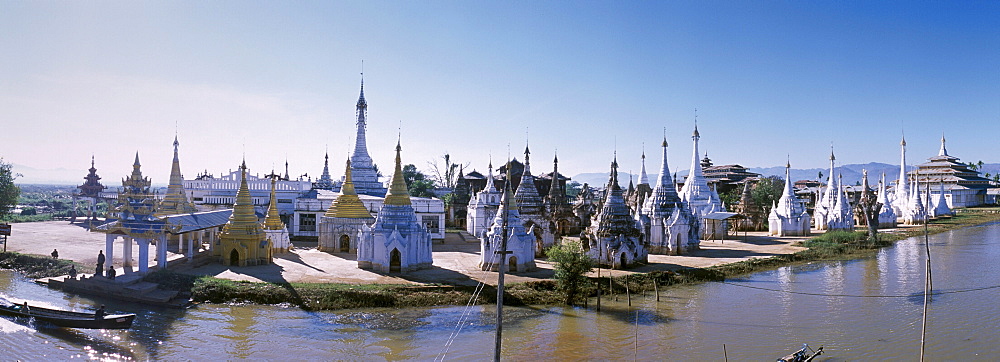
[804, 354]
[65, 318]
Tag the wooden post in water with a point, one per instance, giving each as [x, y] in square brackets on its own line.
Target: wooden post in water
[598, 297]
[611, 287]
[628, 294]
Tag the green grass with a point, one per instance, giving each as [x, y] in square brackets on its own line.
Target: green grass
[36, 266]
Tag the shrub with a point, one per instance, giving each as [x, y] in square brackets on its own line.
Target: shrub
[572, 265]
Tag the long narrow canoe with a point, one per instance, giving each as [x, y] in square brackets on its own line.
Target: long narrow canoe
[68, 319]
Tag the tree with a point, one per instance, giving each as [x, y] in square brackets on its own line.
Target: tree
[572, 266]
[417, 183]
[572, 189]
[767, 191]
[410, 174]
[9, 192]
[446, 175]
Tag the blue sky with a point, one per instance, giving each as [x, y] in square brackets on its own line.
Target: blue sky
[276, 80]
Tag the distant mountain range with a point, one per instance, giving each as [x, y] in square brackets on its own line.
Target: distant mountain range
[852, 173]
[60, 176]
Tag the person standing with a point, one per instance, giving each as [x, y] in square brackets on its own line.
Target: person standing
[55, 254]
[72, 271]
[100, 263]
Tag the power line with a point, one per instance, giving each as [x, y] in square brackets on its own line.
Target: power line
[860, 295]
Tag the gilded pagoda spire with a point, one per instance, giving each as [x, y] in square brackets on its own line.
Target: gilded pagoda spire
[175, 201]
[398, 194]
[273, 219]
[243, 224]
[348, 204]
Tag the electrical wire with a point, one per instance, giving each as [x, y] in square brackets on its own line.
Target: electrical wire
[467, 311]
[861, 295]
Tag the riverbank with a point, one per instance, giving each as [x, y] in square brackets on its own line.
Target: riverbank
[332, 296]
[340, 285]
[36, 266]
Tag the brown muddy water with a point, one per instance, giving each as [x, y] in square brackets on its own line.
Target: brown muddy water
[866, 309]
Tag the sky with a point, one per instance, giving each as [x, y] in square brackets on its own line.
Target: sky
[271, 81]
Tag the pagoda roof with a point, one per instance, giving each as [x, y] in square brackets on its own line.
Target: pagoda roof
[183, 223]
[548, 176]
[474, 175]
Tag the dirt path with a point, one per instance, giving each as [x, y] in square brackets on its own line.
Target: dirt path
[455, 261]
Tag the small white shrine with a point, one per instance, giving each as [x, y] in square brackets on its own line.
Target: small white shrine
[789, 217]
[396, 242]
[520, 246]
[667, 224]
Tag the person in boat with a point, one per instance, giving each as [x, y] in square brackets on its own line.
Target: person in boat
[24, 308]
[100, 262]
[100, 313]
[55, 254]
[72, 271]
[111, 273]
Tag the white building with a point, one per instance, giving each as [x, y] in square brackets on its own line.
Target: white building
[613, 238]
[700, 198]
[668, 225]
[789, 217]
[396, 242]
[887, 215]
[961, 185]
[340, 228]
[826, 200]
[533, 209]
[483, 207]
[841, 217]
[216, 193]
[520, 246]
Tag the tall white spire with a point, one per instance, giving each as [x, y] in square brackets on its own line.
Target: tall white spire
[902, 196]
[696, 191]
[363, 172]
[643, 178]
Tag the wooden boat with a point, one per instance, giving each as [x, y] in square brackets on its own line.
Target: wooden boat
[802, 355]
[68, 319]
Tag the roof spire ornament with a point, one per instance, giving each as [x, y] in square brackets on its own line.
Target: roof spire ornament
[398, 194]
[695, 136]
[944, 150]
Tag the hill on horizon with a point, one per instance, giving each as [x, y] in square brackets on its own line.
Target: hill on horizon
[852, 173]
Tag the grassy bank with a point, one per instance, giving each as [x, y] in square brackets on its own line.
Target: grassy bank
[827, 246]
[316, 296]
[36, 266]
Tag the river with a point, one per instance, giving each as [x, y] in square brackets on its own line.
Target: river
[867, 309]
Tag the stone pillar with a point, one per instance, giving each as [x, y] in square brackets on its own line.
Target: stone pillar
[190, 253]
[109, 249]
[211, 241]
[180, 243]
[143, 255]
[161, 252]
[127, 253]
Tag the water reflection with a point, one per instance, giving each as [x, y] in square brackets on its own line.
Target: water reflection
[688, 323]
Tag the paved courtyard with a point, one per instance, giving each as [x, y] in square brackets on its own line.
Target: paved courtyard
[455, 260]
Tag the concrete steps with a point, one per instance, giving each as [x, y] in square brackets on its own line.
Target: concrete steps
[127, 287]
